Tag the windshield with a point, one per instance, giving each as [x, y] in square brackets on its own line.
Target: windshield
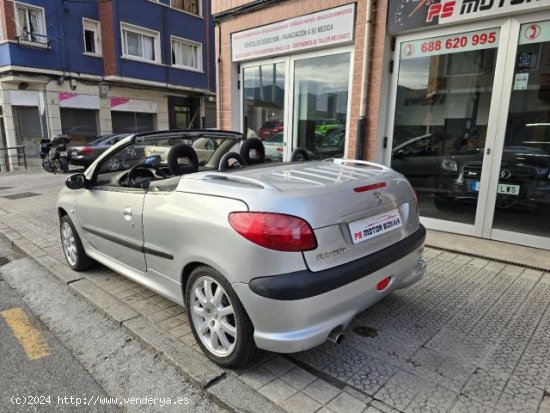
[532, 135]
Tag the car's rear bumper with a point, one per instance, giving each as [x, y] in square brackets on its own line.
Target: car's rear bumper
[306, 319]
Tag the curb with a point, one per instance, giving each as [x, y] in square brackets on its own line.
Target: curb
[222, 386]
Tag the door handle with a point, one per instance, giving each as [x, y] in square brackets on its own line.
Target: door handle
[127, 214]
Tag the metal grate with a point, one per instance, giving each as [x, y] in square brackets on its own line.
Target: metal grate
[20, 196]
[507, 262]
[4, 260]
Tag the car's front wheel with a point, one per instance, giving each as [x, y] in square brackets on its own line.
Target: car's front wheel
[72, 246]
[218, 320]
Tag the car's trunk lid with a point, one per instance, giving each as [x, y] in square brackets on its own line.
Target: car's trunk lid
[355, 207]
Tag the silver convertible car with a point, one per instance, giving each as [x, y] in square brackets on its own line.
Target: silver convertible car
[276, 256]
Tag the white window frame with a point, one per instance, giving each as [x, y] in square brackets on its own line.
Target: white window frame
[290, 141]
[95, 26]
[41, 37]
[188, 12]
[200, 57]
[126, 27]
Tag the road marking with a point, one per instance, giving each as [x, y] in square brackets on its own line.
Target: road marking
[30, 338]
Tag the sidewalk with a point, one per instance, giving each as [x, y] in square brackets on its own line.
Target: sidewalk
[473, 335]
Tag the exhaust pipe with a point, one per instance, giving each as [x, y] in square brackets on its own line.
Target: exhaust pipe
[336, 336]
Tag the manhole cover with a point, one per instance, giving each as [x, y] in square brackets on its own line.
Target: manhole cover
[4, 260]
[5, 187]
[21, 195]
[364, 331]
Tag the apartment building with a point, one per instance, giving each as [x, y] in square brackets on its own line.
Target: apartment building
[91, 68]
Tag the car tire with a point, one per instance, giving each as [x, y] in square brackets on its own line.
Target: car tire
[72, 246]
[218, 320]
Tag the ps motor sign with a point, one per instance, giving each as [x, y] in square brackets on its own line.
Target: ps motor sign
[405, 15]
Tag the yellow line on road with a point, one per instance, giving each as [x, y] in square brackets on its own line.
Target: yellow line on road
[30, 338]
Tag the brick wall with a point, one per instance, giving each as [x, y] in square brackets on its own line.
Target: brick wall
[7, 13]
[108, 40]
[219, 6]
[293, 8]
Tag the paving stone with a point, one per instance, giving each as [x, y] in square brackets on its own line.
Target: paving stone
[257, 377]
[277, 391]
[484, 387]
[344, 403]
[321, 391]
[511, 404]
[298, 378]
[278, 365]
[300, 403]
[467, 405]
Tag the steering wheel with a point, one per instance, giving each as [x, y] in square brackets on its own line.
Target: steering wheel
[152, 170]
[238, 161]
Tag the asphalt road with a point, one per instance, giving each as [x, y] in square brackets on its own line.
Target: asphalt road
[58, 351]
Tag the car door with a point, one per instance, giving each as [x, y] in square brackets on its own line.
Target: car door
[112, 222]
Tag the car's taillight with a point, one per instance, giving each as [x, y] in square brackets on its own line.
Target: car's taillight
[274, 231]
[280, 149]
[86, 150]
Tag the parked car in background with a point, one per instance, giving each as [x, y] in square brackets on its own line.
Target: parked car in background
[325, 125]
[450, 167]
[279, 257]
[274, 147]
[270, 128]
[85, 155]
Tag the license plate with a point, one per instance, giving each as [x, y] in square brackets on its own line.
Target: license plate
[508, 189]
[371, 227]
[505, 189]
[63, 153]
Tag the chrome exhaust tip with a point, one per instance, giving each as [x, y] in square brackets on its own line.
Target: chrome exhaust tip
[336, 337]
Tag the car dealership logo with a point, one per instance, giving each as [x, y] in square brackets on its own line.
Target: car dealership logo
[505, 174]
[409, 49]
[532, 31]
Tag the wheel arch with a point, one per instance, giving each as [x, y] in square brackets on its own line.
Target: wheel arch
[61, 212]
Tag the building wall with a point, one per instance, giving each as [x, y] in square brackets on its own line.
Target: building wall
[291, 8]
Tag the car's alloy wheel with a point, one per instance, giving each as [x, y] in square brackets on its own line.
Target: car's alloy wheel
[213, 316]
[69, 244]
[218, 320]
[73, 250]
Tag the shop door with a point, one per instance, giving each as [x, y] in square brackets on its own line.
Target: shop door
[520, 179]
[446, 104]
[29, 129]
[263, 106]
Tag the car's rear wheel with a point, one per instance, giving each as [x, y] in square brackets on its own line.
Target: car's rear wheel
[218, 320]
[72, 246]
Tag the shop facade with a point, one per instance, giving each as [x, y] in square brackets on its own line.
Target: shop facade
[469, 115]
[453, 94]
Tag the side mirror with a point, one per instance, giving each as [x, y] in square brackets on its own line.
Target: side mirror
[76, 181]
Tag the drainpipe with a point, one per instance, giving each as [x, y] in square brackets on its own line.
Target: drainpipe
[219, 76]
[362, 120]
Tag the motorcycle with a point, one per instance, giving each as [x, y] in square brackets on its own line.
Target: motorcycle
[53, 152]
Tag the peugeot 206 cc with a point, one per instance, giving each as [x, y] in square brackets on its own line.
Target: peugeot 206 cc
[275, 256]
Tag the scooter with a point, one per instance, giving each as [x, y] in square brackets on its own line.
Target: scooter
[53, 152]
